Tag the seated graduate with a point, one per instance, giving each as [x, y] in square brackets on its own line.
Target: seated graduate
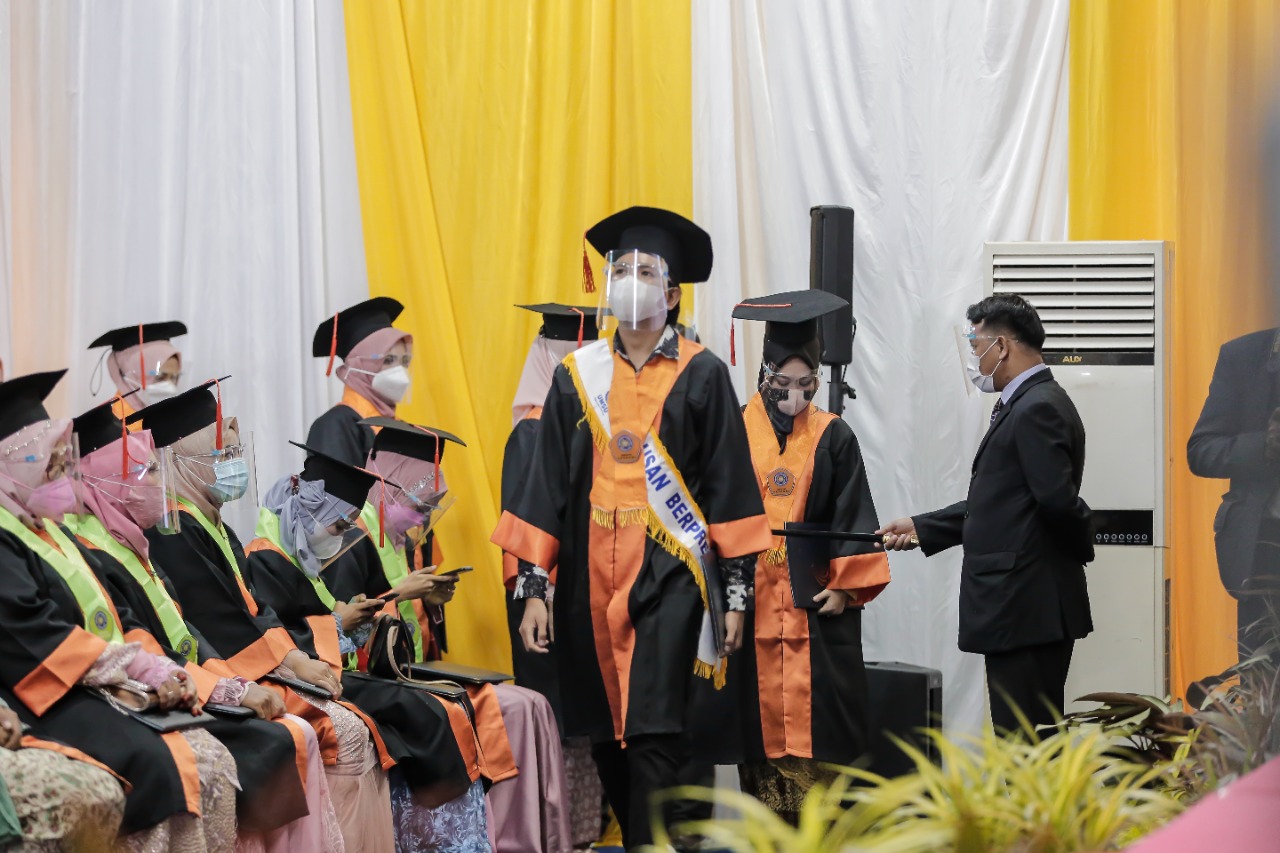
[375, 368]
[516, 726]
[63, 651]
[142, 362]
[306, 521]
[204, 563]
[126, 489]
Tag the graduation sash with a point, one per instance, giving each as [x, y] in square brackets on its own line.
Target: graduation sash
[91, 529]
[395, 567]
[99, 615]
[670, 514]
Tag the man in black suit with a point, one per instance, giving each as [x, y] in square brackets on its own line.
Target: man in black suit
[1026, 532]
[1238, 437]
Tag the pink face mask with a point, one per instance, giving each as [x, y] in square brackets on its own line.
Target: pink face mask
[400, 519]
[52, 500]
[145, 505]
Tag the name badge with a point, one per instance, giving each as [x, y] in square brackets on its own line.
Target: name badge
[625, 447]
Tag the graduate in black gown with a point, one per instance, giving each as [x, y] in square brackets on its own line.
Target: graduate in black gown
[142, 363]
[375, 370]
[632, 501]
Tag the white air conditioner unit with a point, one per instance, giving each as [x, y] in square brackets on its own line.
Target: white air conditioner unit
[1105, 311]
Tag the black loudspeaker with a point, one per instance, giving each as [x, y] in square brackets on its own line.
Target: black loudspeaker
[831, 269]
[902, 699]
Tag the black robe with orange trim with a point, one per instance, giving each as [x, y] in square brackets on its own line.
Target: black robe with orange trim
[534, 671]
[432, 742]
[339, 433]
[631, 672]
[269, 765]
[44, 653]
[800, 681]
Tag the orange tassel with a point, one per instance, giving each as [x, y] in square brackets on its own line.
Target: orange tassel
[124, 446]
[382, 512]
[142, 359]
[588, 277]
[582, 319]
[218, 416]
[733, 351]
[333, 346]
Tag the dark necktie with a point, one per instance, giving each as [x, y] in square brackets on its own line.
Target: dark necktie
[996, 411]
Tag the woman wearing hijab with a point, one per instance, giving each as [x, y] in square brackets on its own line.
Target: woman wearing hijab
[800, 680]
[142, 362]
[63, 651]
[283, 801]
[306, 520]
[375, 370]
[205, 563]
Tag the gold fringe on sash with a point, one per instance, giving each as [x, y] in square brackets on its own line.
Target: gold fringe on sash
[597, 429]
[776, 556]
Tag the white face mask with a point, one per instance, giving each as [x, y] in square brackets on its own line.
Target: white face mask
[632, 301]
[984, 382]
[323, 544]
[156, 391]
[392, 383]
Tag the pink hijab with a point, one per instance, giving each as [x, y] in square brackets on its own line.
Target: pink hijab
[535, 380]
[377, 344]
[127, 364]
[19, 477]
[104, 495]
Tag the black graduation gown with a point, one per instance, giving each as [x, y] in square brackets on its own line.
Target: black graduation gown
[534, 671]
[42, 649]
[271, 793]
[833, 697]
[360, 572]
[414, 725]
[339, 433]
[703, 432]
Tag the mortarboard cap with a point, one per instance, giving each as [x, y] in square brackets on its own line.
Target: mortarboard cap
[98, 427]
[683, 245]
[791, 322]
[22, 400]
[354, 324]
[342, 481]
[566, 322]
[131, 336]
[417, 442]
[181, 415]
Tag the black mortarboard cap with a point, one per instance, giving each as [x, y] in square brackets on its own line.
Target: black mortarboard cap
[418, 442]
[564, 322]
[181, 415]
[791, 322]
[98, 427]
[345, 482]
[354, 325]
[122, 339]
[683, 245]
[22, 400]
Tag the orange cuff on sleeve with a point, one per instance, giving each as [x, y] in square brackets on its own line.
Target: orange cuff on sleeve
[526, 541]
[263, 655]
[864, 574]
[144, 638]
[60, 671]
[744, 536]
[204, 680]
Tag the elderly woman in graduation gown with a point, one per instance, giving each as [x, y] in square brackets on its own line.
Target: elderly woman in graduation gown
[283, 802]
[204, 562]
[375, 370]
[306, 520]
[800, 679]
[142, 362]
[62, 648]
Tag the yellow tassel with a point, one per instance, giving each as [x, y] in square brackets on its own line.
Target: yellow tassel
[776, 556]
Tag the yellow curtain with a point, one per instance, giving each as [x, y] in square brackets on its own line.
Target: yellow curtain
[1168, 101]
[489, 136]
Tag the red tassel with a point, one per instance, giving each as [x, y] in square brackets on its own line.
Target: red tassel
[124, 446]
[218, 415]
[333, 346]
[582, 319]
[142, 359]
[588, 277]
[733, 351]
[382, 511]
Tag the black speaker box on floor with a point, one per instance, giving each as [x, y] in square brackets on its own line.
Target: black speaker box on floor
[902, 699]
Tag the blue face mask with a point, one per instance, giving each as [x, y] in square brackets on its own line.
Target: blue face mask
[231, 480]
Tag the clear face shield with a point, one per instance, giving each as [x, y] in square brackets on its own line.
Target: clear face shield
[972, 346]
[412, 511]
[144, 489]
[791, 390]
[227, 474]
[388, 371]
[335, 530]
[57, 472]
[634, 296]
[163, 377]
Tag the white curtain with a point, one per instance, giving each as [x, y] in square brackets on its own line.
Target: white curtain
[942, 125]
[190, 161]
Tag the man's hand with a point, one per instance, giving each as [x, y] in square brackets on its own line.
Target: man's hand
[537, 628]
[735, 622]
[263, 702]
[1273, 436]
[10, 729]
[899, 535]
[833, 601]
[317, 673]
[359, 612]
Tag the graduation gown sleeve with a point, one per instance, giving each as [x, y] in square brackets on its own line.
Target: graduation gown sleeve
[280, 585]
[856, 567]
[339, 433]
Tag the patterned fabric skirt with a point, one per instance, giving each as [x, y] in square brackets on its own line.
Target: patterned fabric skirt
[62, 803]
[586, 794]
[457, 826]
[781, 783]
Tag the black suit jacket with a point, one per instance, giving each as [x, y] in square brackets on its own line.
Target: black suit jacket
[1229, 442]
[1026, 532]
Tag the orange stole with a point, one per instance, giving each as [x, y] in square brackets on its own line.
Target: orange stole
[781, 629]
[619, 515]
[122, 410]
[363, 407]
